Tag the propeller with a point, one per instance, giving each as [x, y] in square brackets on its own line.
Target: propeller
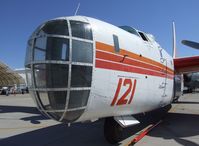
[191, 44]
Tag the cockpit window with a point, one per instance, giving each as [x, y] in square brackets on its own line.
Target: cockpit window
[143, 36]
[81, 30]
[129, 29]
[58, 27]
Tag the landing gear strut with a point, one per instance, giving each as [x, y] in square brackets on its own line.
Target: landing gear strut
[112, 131]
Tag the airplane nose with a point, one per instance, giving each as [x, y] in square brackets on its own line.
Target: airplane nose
[59, 65]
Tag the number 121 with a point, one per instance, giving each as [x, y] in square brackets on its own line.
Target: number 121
[130, 90]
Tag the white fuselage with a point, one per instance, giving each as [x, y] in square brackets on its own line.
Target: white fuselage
[153, 72]
[83, 69]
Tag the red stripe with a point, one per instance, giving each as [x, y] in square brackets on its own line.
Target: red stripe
[121, 67]
[126, 60]
[111, 49]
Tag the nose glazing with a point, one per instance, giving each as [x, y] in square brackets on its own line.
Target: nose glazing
[59, 63]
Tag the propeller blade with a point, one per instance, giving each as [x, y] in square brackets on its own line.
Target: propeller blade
[191, 44]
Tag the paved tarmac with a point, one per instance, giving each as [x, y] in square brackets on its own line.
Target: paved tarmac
[180, 127]
[21, 125]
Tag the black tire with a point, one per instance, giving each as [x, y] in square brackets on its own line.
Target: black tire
[113, 132]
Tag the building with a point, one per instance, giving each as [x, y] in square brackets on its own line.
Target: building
[9, 77]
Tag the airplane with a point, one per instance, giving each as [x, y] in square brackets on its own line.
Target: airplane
[80, 69]
[191, 81]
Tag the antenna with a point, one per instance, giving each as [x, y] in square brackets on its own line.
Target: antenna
[77, 9]
[174, 40]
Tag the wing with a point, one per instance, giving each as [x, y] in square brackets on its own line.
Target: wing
[186, 64]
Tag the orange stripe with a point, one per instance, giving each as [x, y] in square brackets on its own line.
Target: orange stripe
[121, 67]
[120, 59]
[109, 48]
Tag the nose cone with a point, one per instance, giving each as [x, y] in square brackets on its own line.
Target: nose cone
[59, 63]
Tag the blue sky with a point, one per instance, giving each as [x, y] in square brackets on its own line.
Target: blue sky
[19, 18]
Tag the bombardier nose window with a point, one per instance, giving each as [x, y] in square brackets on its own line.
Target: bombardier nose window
[58, 27]
[29, 52]
[81, 76]
[78, 99]
[59, 65]
[53, 100]
[82, 51]
[57, 49]
[51, 75]
[51, 48]
[81, 30]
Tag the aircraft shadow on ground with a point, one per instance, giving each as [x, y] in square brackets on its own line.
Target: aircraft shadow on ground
[178, 126]
[23, 109]
[91, 134]
[78, 134]
[87, 134]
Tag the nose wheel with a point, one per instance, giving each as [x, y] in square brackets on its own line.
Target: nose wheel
[113, 132]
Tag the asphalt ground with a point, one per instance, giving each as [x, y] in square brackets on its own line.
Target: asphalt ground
[21, 124]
